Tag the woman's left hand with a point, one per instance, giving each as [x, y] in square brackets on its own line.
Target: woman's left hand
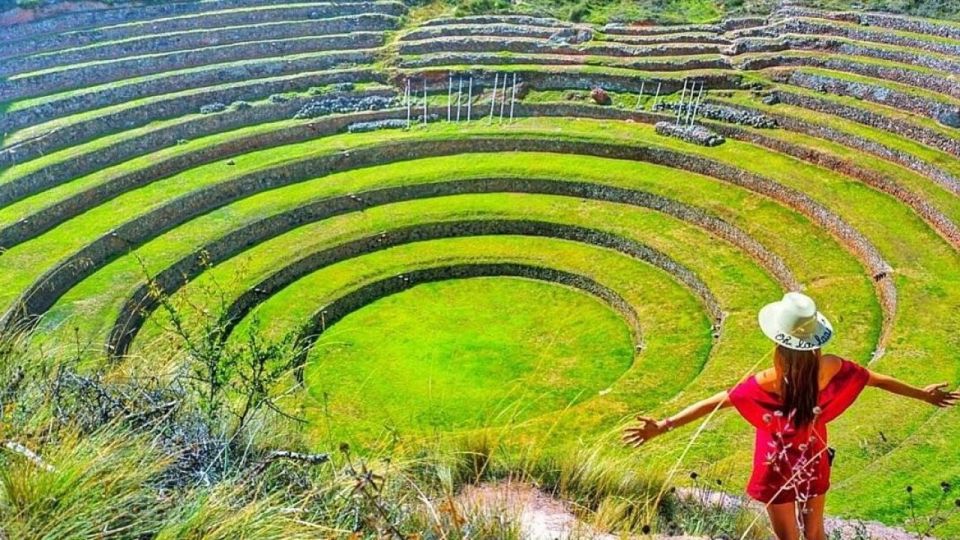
[648, 429]
[937, 395]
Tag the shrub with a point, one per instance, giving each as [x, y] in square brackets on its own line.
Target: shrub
[579, 12]
[481, 7]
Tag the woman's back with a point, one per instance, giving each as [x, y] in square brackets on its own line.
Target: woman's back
[829, 366]
[791, 460]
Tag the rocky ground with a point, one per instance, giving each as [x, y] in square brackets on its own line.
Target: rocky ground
[543, 517]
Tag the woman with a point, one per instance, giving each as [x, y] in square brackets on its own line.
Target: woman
[790, 405]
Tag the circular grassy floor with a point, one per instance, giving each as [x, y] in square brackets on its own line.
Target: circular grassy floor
[463, 353]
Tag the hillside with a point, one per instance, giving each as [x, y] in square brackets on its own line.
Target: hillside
[468, 242]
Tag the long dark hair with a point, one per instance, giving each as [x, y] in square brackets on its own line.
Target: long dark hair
[800, 386]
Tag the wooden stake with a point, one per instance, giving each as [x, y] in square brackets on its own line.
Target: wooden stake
[696, 108]
[693, 90]
[449, 97]
[503, 96]
[680, 105]
[459, 97]
[407, 96]
[493, 97]
[513, 96]
[470, 99]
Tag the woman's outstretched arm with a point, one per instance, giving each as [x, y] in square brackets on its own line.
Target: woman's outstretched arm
[934, 394]
[651, 427]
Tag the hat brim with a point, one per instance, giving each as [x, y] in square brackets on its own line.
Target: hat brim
[768, 318]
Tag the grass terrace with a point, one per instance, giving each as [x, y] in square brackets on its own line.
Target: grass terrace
[306, 285]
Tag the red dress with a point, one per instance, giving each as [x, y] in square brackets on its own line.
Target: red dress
[789, 463]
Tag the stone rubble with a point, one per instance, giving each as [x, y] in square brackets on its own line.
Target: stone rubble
[695, 134]
[722, 113]
[344, 103]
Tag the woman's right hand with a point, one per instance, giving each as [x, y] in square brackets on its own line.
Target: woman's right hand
[936, 395]
[648, 429]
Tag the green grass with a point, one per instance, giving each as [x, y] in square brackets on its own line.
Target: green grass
[677, 339]
[448, 355]
[665, 233]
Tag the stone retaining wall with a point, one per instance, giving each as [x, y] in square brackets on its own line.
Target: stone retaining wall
[823, 28]
[244, 73]
[944, 29]
[503, 30]
[499, 19]
[668, 38]
[144, 301]
[437, 79]
[99, 73]
[108, 17]
[164, 107]
[840, 47]
[896, 99]
[198, 39]
[470, 58]
[910, 77]
[885, 20]
[727, 25]
[537, 46]
[740, 23]
[639, 30]
[293, 12]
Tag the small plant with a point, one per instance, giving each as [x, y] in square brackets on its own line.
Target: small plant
[924, 524]
[239, 377]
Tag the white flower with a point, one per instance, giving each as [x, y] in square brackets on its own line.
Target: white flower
[817, 410]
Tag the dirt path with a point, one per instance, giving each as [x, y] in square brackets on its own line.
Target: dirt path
[543, 517]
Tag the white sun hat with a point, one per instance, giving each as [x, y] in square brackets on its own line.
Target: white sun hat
[795, 323]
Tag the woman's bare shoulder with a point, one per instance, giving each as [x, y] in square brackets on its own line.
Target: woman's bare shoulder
[767, 379]
[830, 365]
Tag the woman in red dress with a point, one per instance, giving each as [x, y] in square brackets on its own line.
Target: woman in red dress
[790, 406]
